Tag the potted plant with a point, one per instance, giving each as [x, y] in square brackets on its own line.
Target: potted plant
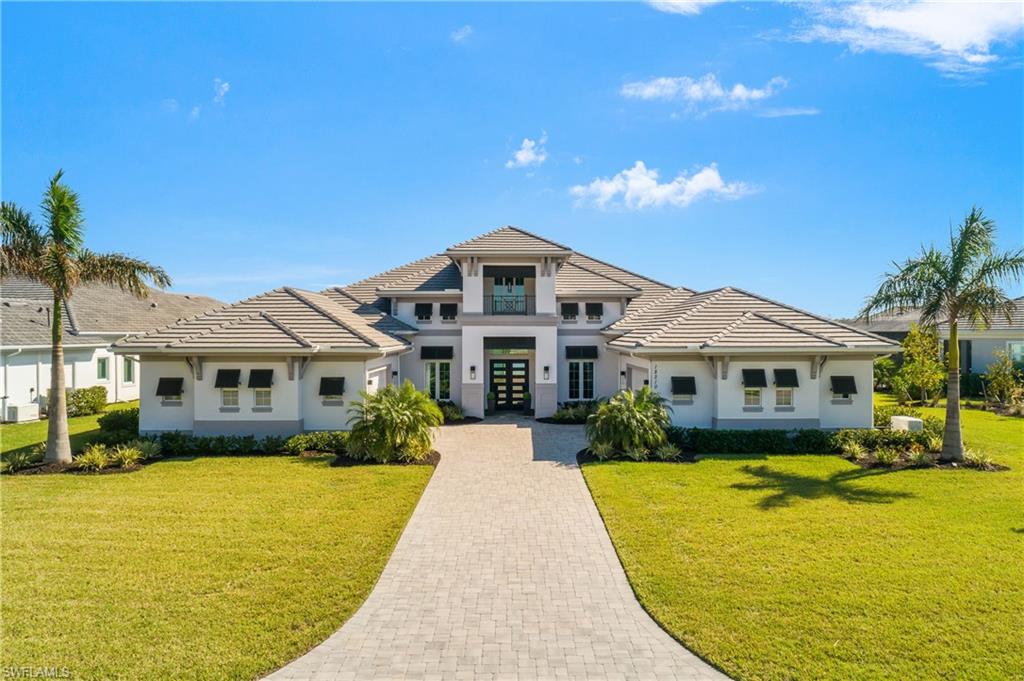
[492, 402]
[527, 403]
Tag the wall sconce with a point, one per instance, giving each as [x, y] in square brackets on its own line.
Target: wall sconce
[622, 374]
[472, 372]
[646, 382]
[394, 374]
[547, 372]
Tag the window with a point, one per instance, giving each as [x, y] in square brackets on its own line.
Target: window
[843, 387]
[595, 311]
[439, 380]
[684, 386]
[129, 370]
[170, 389]
[1016, 353]
[570, 311]
[581, 380]
[424, 311]
[101, 368]
[783, 397]
[229, 397]
[332, 388]
[261, 397]
[751, 397]
[449, 311]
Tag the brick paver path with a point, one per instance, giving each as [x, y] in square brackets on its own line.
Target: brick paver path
[505, 571]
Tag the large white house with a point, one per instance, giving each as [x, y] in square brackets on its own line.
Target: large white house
[513, 316]
[94, 317]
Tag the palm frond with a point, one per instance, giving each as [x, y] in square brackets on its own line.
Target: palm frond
[63, 214]
[126, 273]
[917, 283]
[974, 240]
[22, 242]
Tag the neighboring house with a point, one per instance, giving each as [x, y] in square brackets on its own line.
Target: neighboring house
[94, 317]
[977, 345]
[509, 314]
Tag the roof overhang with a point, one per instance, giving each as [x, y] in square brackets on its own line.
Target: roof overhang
[412, 293]
[763, 350]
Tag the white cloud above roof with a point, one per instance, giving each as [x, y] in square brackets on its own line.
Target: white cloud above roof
[530, 153]
[705, 93]
[690, 7]
[638, 188]
[461, 33]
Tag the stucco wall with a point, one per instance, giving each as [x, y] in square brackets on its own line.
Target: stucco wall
[319, 416]
[545, 354]
[606, 366]
[695, 414]
[283, 417]
[857, 414]
[731, 413]
[414, 369]
[154, 415]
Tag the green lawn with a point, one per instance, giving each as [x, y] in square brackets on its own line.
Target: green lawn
[21, 435]
[210, 568]
[810, 567]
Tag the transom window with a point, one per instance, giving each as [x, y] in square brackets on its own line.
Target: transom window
[129, 370]
[261, 397]
[783, 397]
[101, 368]
[751, 397]
[439, 380]
[581, 380]
[229, 397]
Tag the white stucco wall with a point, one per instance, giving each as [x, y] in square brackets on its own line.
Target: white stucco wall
[154, 415]
[414, 369]
[606, 366]
[729, 399]
[695, 414]
[858, 414]
[317, 415]
[285, 399]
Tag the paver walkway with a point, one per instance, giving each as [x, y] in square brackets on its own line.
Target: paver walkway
[505, 571]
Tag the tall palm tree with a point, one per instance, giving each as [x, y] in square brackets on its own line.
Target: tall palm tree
[961, 284]
[55, 255]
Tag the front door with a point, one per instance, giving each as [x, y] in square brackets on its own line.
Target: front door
[510, 380]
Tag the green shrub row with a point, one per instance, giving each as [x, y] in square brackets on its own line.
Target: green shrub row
[327, 441]
[86, 401]
[807, 441]
[120, 419]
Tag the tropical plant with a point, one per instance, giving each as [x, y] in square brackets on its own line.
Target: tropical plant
[961, 284]
[1003, 377]
[451, 411]
[395, 423]
[885, 369]
[55, 256]
[93, 458]
[12, 462]
[922, 458]
[886, 456]
[666, 452]
[124, 456]
[630, 421]
[602, 450]
[976, 459]
[853, 450]
[150, 449]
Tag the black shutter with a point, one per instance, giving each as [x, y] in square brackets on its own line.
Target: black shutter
[754, 378]
[581, 352]
[570, 309]
[449, 309]
[684, 385]
[228, 378]
[332, 385]
[595, 309]
[437, 352]
[424, 310]
[169, 387]
[261, 378]
[786, 378]
[844, 385]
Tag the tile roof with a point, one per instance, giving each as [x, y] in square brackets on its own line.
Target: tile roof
[733, 318]
[282, 319]
[425, 268]
[509, 240]
[648, 287]
[900, 321]
[373, 316]
[27, 323]
[573, 279]
[999, 321]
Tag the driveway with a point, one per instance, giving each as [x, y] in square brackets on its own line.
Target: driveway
[505, 571]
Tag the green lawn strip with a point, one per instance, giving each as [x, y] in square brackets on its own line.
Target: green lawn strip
[208, 568]
[15, 436]
[809, 567]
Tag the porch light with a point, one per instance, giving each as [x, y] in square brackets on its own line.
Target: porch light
[394, 374]
[472, 372]
[622, 374]
[547, 372]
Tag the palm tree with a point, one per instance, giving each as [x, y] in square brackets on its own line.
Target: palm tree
[962, 283]
[54, 255]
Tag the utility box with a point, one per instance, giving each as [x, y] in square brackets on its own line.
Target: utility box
[910, 423]
[21, 412]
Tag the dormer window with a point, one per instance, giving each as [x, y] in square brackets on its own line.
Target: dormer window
[570, 311]
[595, 311]
[424, 311]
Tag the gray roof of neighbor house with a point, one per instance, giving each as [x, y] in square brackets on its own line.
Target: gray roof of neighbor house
[285, 319]
[26, 323]
[891, 322]
[730, 318]
[92, 309]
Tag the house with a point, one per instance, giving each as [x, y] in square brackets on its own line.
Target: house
[511, 316]
[94, 317]
[978, 344]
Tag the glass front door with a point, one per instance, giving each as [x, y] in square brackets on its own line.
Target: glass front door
[510, 381]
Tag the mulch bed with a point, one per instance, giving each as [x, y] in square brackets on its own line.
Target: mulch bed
[548, 419]
[870, 464]
[344, 461]
[585, 456]
[55, 468]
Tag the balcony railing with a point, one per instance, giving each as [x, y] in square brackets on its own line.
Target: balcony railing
[506, 304]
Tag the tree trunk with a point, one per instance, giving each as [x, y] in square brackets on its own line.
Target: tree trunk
[58, 443]
[952, 441]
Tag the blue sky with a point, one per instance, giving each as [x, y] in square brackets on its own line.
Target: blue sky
[798, 149]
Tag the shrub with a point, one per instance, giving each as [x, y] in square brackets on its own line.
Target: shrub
[395, 424]
[114, 437]
[93, 458]
[602, 450]
[979, 460]
[667, 452]
[150, 449]
[575, 412]
[741, 441]
[272, 444]
[884, 413]
[635, 454]
[886, 456]
[124, 456]
[176, 443]
[12, 462]
[1003, 378]
[120, 419]
[85, 401]
[921, 458]
[630, 421]
[933, 444]
[934, 426]
[451, 411]
[854, 450]
[327, 441]
[812, 441]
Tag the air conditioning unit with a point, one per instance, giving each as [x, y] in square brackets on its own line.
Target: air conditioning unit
[22, 412]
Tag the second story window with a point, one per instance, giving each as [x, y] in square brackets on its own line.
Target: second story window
[595, 311]
[570, 311]
[449, 311]
[424, 311]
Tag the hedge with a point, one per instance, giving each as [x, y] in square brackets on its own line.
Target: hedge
[86, 401]
[183, 444]
[808, 441]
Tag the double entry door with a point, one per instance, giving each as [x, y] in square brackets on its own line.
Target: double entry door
[510, 381]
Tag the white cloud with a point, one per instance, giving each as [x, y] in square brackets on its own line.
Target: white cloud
[194, 114]
[461, 33]
[578, 160]
[785, 111]
[529, 153]
[637, 188]
[169, 105]
[704, 93]
[220, 91]
[690, 7]
[956, 38]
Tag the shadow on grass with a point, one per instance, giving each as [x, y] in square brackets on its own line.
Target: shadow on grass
[788, 487]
